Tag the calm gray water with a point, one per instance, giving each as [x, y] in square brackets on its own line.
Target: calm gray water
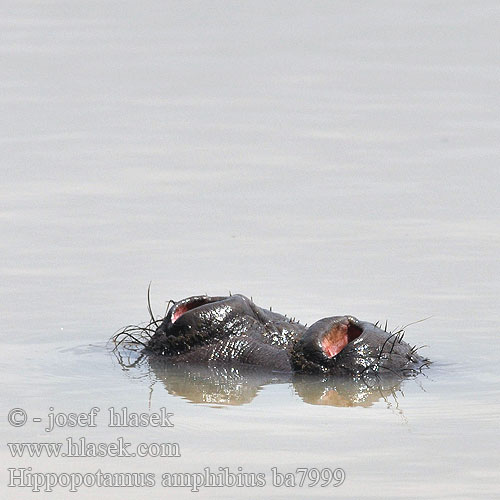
[325, 158]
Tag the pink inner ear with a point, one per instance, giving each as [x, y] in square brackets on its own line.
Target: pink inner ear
[338, 337]
[179, 312]
[187, 306]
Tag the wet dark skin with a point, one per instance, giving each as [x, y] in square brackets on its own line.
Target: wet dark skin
[234, 330]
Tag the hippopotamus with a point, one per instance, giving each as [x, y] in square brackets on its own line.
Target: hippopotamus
[234, 330]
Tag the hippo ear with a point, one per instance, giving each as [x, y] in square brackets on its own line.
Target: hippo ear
[329, 336]
[322, 341]
[334, 336]
[185, 305]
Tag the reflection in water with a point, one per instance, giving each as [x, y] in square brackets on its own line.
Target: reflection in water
[227, 385]
[239, 384]
[346, 392]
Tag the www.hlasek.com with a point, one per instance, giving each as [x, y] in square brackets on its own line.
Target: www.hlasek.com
[81, 447]
[224, 477]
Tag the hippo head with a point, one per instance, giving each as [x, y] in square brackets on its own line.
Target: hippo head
[232, 329]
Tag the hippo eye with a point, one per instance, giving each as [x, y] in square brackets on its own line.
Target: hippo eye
[338, 337]
[186, 305]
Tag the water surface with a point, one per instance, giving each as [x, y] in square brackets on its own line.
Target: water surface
[325, 158]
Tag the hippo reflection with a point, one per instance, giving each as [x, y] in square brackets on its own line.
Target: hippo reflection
[232, 331]
[222, 385]
[229, 385]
